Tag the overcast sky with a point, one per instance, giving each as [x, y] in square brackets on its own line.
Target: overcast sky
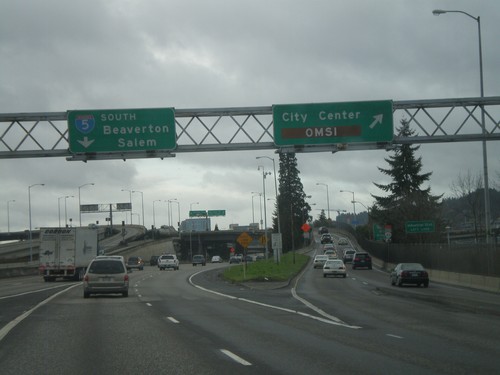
[62, 55]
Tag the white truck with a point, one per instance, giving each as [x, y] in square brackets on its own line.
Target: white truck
[168, 261]
[66, 252]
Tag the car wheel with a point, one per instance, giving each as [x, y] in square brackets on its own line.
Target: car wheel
[345, 276]
[86, 295]
[324, 275]
[399, 282]
[426, 284]
[353, 267]
[392, 281]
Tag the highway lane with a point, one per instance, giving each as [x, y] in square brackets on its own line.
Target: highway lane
[167, 325]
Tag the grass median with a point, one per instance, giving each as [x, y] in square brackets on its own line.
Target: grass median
[267, 270]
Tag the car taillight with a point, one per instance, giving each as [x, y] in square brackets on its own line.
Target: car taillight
[404, 273]
[86, 278]
[125, 277]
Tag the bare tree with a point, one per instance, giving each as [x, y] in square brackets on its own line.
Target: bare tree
[467, 187]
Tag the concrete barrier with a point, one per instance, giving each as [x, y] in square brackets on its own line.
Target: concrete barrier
[487, 283]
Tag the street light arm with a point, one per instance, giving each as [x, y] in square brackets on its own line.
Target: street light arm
[437, 12]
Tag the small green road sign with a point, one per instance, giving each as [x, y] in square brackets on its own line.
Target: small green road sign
[216, 212]
[198, 213]
[119, 130]
[425, 226]
[332, 123]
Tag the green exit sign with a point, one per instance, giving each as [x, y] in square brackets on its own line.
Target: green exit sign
[216, 212]
[331, 123]
[119, 130]
[424, 226]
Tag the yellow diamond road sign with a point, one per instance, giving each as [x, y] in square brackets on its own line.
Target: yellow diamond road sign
[244, 239]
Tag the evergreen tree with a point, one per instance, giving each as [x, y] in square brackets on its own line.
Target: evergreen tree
[407, 200]
[293, 208]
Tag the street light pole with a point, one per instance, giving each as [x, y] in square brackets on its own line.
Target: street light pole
[487, 214]
[8, 215]
[154, 217]
[66, 210]
[353, 201]
[275, 191]
[178, 214]
[264, 174]
[79, 202]
[170, 201]
[327, 197]
[142, 204]
[29, 214]
[130, 200]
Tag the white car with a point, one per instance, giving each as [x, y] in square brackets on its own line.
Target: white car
[331, 254]
[334, 267]
[319, 261]
[343, 241]
[216, 259]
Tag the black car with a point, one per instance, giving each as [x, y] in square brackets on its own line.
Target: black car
[234, 260]
[153, 261]
[409, 273]
[326, 238]
[362, 260]
[135, 262]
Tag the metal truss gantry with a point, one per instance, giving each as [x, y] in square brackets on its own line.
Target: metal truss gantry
[35, 135]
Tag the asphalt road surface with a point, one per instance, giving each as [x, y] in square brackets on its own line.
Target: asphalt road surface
[192, 322]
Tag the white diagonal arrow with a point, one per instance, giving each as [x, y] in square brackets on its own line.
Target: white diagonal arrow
[86, 142]
[377, 120]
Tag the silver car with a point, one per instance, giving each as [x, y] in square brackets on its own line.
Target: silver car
[105, 275]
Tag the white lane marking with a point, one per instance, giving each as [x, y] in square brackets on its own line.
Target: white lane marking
[364, 282]
[395, 336]
[31, 292]
[9, 326]
[235, 358]
[147, 303]
[173, 320]
[317, 309]
[329, 319]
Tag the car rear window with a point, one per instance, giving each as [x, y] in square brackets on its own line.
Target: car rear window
[358, 255]
[106, 267]
[167, 257]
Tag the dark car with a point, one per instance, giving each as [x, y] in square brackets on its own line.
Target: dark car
[409, 273]
[135, 262]
[326, 238]
[234, 260]
[361, 260]
[199, 259]
[153, 261]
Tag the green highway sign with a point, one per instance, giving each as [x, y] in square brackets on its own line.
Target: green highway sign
[197, 213]
[426, 226]
[216, 212]
[116, 130]
[331, 123]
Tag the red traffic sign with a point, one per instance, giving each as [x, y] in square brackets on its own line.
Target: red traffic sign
[305, 227]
